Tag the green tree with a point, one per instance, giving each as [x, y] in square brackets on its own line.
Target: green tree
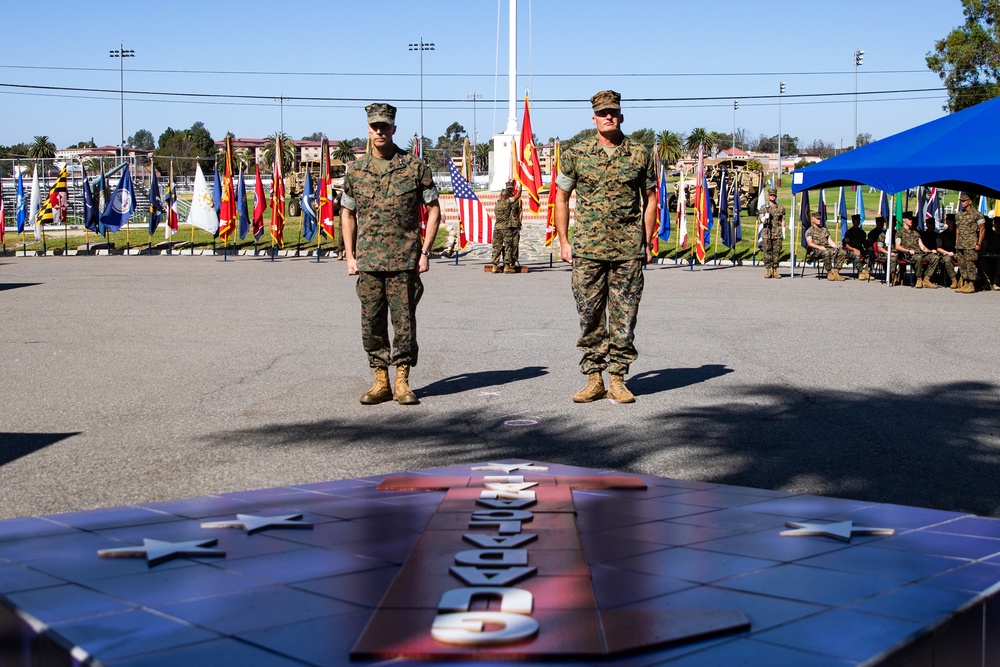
[142, 139]
[968, 58]
[483, 156]
[41, 148]
[287, 151]
[645, 136]
[315, 136]
[670, 146]
[577, 138]
[698, 137]
[188, 145]
[344, 151]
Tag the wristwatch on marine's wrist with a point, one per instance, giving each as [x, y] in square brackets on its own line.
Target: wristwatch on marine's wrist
[425, 253]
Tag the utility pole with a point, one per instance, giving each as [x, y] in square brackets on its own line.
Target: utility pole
[736, 105]
[781, 91]
[475, 132]
[122, 53]
[859, 59]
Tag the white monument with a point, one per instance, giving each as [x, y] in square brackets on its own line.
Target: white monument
[503, 170]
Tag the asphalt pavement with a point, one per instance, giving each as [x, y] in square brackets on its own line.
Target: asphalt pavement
[129, 379]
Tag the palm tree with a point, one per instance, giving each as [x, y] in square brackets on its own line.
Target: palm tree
[698, 137]
[41, 148]
[713, 142]
[670, 146]
[344, 151]
[483, 156]
[287, 151]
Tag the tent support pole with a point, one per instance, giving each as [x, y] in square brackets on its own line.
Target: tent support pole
[791, 240]
[890, 227]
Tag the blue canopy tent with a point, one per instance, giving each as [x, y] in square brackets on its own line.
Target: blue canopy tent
[953, 152]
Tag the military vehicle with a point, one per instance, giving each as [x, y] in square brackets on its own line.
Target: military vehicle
[749, 180]
[295, 182]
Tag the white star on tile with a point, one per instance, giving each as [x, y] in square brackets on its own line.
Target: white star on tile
[158, 551]
[842, 530]
[251, 523]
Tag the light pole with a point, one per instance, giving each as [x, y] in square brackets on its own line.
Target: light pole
[421, 46]
[859, 59]
[736, 105]
[475, 132]
[781, 91]
[122, 53]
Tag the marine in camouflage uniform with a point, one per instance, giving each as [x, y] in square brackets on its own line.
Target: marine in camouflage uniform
[381, 230]
[614, 178]
[970, 229]
[856, 246]
[924, 261]
[506, 230]
[819, 243]
[772, 219]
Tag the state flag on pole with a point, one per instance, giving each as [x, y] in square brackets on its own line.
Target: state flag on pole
[22, 204]
[550, 218]
[278, 197]
[33, 204]
[155, 204]
[91, 214]
[53, 211]
[883, 206]
[121, 204]
[327, 208]
[228, 217]
[308, 209]
[804, 217]
[202, 213]
[3, 213]
[859, 203]
[217, 192]
[242, 208]
[664, 232]
[842, 208]
[476, 225]
[529, 171]
[259, 205]
[172, 208]
[737, 203]
[726, 230]
[700, 214]
[682, 221]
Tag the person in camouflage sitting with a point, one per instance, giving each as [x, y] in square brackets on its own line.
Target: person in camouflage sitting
[924, 260]
[820, 244]
[856, 245]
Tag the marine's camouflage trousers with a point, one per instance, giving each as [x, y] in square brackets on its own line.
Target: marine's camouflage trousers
[505, 245]
[966, 260]
[949, 262]
[833, 258]
[385, 293]
[924, 263]
[771, 246]
[862, 260]
[607, 298]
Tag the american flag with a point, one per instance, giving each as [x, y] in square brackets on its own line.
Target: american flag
[477, 225]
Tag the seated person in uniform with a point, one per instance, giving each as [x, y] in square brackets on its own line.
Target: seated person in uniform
[822, 246]
[856, 246]
[946, 249]
[909, 246]
[876, 240]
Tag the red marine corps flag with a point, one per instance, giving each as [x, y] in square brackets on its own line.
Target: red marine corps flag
[550, 222]
[278, 198]
[327, 214]
[228, 217]
[529, 172]
[700, 208]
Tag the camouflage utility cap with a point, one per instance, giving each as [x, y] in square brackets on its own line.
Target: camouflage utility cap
[964, 197]
[606, 99]
[772, 191]
[380, 112]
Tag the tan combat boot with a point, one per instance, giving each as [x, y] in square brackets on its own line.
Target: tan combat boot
[593, 391]
[775, 274]
[918, 282]
[954, 282]
[380, 391]
[836, 276]
[930, 284]
[509, 269]
[402, 392]
[968, 288]
[497, 269]
[617, 391]
[768, 273]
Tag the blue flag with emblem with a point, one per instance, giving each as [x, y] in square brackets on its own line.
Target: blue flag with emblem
[708, 213]
[242, 207]
[726, 231]
[155, 204]
[664, 232]
[217, 193]
[121, 204]
[91, 214]
[22, 204]
[309, 226]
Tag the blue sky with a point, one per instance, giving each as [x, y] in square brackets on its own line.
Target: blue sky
[345, 49]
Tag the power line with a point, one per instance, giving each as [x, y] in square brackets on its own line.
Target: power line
[457, 101]
[466, 75]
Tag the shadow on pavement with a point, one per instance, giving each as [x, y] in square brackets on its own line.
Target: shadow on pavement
[479, 380]
[15, 445]
[938, 447]
[652, 382]
[6, 286]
